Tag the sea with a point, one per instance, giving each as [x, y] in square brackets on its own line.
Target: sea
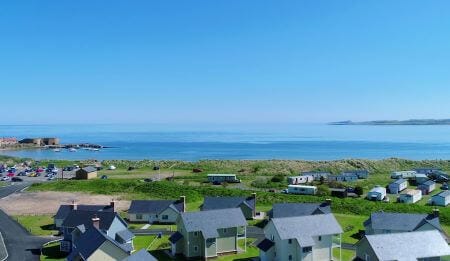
[237, 142]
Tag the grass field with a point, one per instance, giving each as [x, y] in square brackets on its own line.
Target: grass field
[39, 225]
[351, 225]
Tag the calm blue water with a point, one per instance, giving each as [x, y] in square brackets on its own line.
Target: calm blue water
[308, 141]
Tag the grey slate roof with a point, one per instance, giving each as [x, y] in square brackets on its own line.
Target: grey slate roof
[77, 217]
[211, 203]
[298, 209]
[304, 228]
[89, 169]
[154, 206]
[124, 235]
[409, 245]
[64, 210]
[141, 255]
[401, 221]
[210, 220]
[444, 194]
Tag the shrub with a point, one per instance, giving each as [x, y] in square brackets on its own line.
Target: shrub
[359, 190]
[277, 178]
[323, 190]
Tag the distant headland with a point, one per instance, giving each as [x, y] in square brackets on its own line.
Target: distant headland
[396, 122]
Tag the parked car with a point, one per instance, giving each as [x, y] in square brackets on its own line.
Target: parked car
[156, 168]
[5, 178]
[10, 174]
[104, 177]
[148, 180]
[51, 178]
[22, 173]
[16, 179]
[444, 186]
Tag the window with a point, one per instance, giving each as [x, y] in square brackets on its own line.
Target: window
[290, 241]
[195, 234]
[307, 249]
[165, 217]
[224, 230]
[320, 238]
[290, 257]
[195, 248]
[139, 216]
[272, 237]
[366, 257]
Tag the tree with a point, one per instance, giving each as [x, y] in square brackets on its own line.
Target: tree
[359, 190]
[323, 190]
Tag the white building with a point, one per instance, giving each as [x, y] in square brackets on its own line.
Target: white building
[300, 179]
[409, 174]
[302, 189]
[397, 186]
[410, 196]
[377, 193]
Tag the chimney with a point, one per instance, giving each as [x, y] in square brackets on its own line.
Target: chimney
[254, 198]
[183, 200]
[436, 212]
[112, 204]
[73, 205]
[96, 222]
[328, 202]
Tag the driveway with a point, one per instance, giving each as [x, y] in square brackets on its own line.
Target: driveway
[19, 243]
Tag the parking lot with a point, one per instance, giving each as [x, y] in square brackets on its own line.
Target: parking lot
[34, 176]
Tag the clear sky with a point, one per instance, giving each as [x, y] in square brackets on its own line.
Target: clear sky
[224, 61]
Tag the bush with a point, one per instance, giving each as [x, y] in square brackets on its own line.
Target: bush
[359, 190]
[323, 190]
[277, 178]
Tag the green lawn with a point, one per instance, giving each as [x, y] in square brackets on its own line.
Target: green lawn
[252, 251]
[39, 225]
[351, 224]
[347, 255]
[51, 253]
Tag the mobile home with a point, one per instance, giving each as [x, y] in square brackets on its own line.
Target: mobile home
[302, 189]
[397, 186]
[409, 174]
[377, 193]
[410, 196]
[300, 179]
[230, 178]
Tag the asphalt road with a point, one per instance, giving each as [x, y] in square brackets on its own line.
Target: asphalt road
[19, 243]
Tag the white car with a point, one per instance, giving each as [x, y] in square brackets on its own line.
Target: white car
[5, 178]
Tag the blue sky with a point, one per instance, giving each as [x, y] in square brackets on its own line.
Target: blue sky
[220, 62]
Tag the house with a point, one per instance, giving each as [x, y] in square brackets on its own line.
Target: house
[385, 222]
[282, 210]
[427, 187]
[246, 204]
[109, 223]
[205, 234]
[361, 173]
[344, 177]
[317, 175]
[64, 210]
[409, 174]
[410, 196]
[86, 173]
[156, 211]
[421, 178]
[302, 189]
[377, 193]
[418, 245]
[311, 237]
[441, 199]
[300, 179]
[397, 186]
[230, 178]
[94, 244]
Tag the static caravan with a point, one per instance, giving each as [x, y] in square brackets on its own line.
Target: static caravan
[427, 187]
[441, 199]
[317, 175]
[230, 178]
[409, 174]
[300, 179]
[377, 193]
[397, 186]
[421, 178]
[361, 173]
[410, 196]
[302, 189]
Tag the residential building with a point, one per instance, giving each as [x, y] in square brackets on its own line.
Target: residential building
[317, 175]
[246, 204]
[398, 186]
[156, 211]
[344, 177]
[282, 210]
[410, 196]
[418, 245]
[206, 234]
[302, 189]
[427, 187]
[408, 174]
[230, 178]
[300, 179]
[386, 223]
[421, 178]
[441, 199]
[300, 238]
[86, 173]
[64, 210]
[377, 193]
[361, 173]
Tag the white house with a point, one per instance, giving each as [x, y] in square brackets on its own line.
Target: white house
[410, 196]
[397, 186]
[441, 199]
[377, 193]
[300, 179]
[302, 189]
[311, 237]
[409, 174]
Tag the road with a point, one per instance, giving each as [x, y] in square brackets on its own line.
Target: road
[19, 243]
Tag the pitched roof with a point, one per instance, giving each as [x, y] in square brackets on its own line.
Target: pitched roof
[77, 217]
[140, 255]
[89, 169]
[280, 210]
[209, 221]
[265, 245]
[124, 235]
[428, 183]
[409, 245]
[64, 210]
[378, 189]
[154, 206]
[91, 240]
[401, 221]
[211, 203]
[304, 228]
[443, 194]
[399, 181]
